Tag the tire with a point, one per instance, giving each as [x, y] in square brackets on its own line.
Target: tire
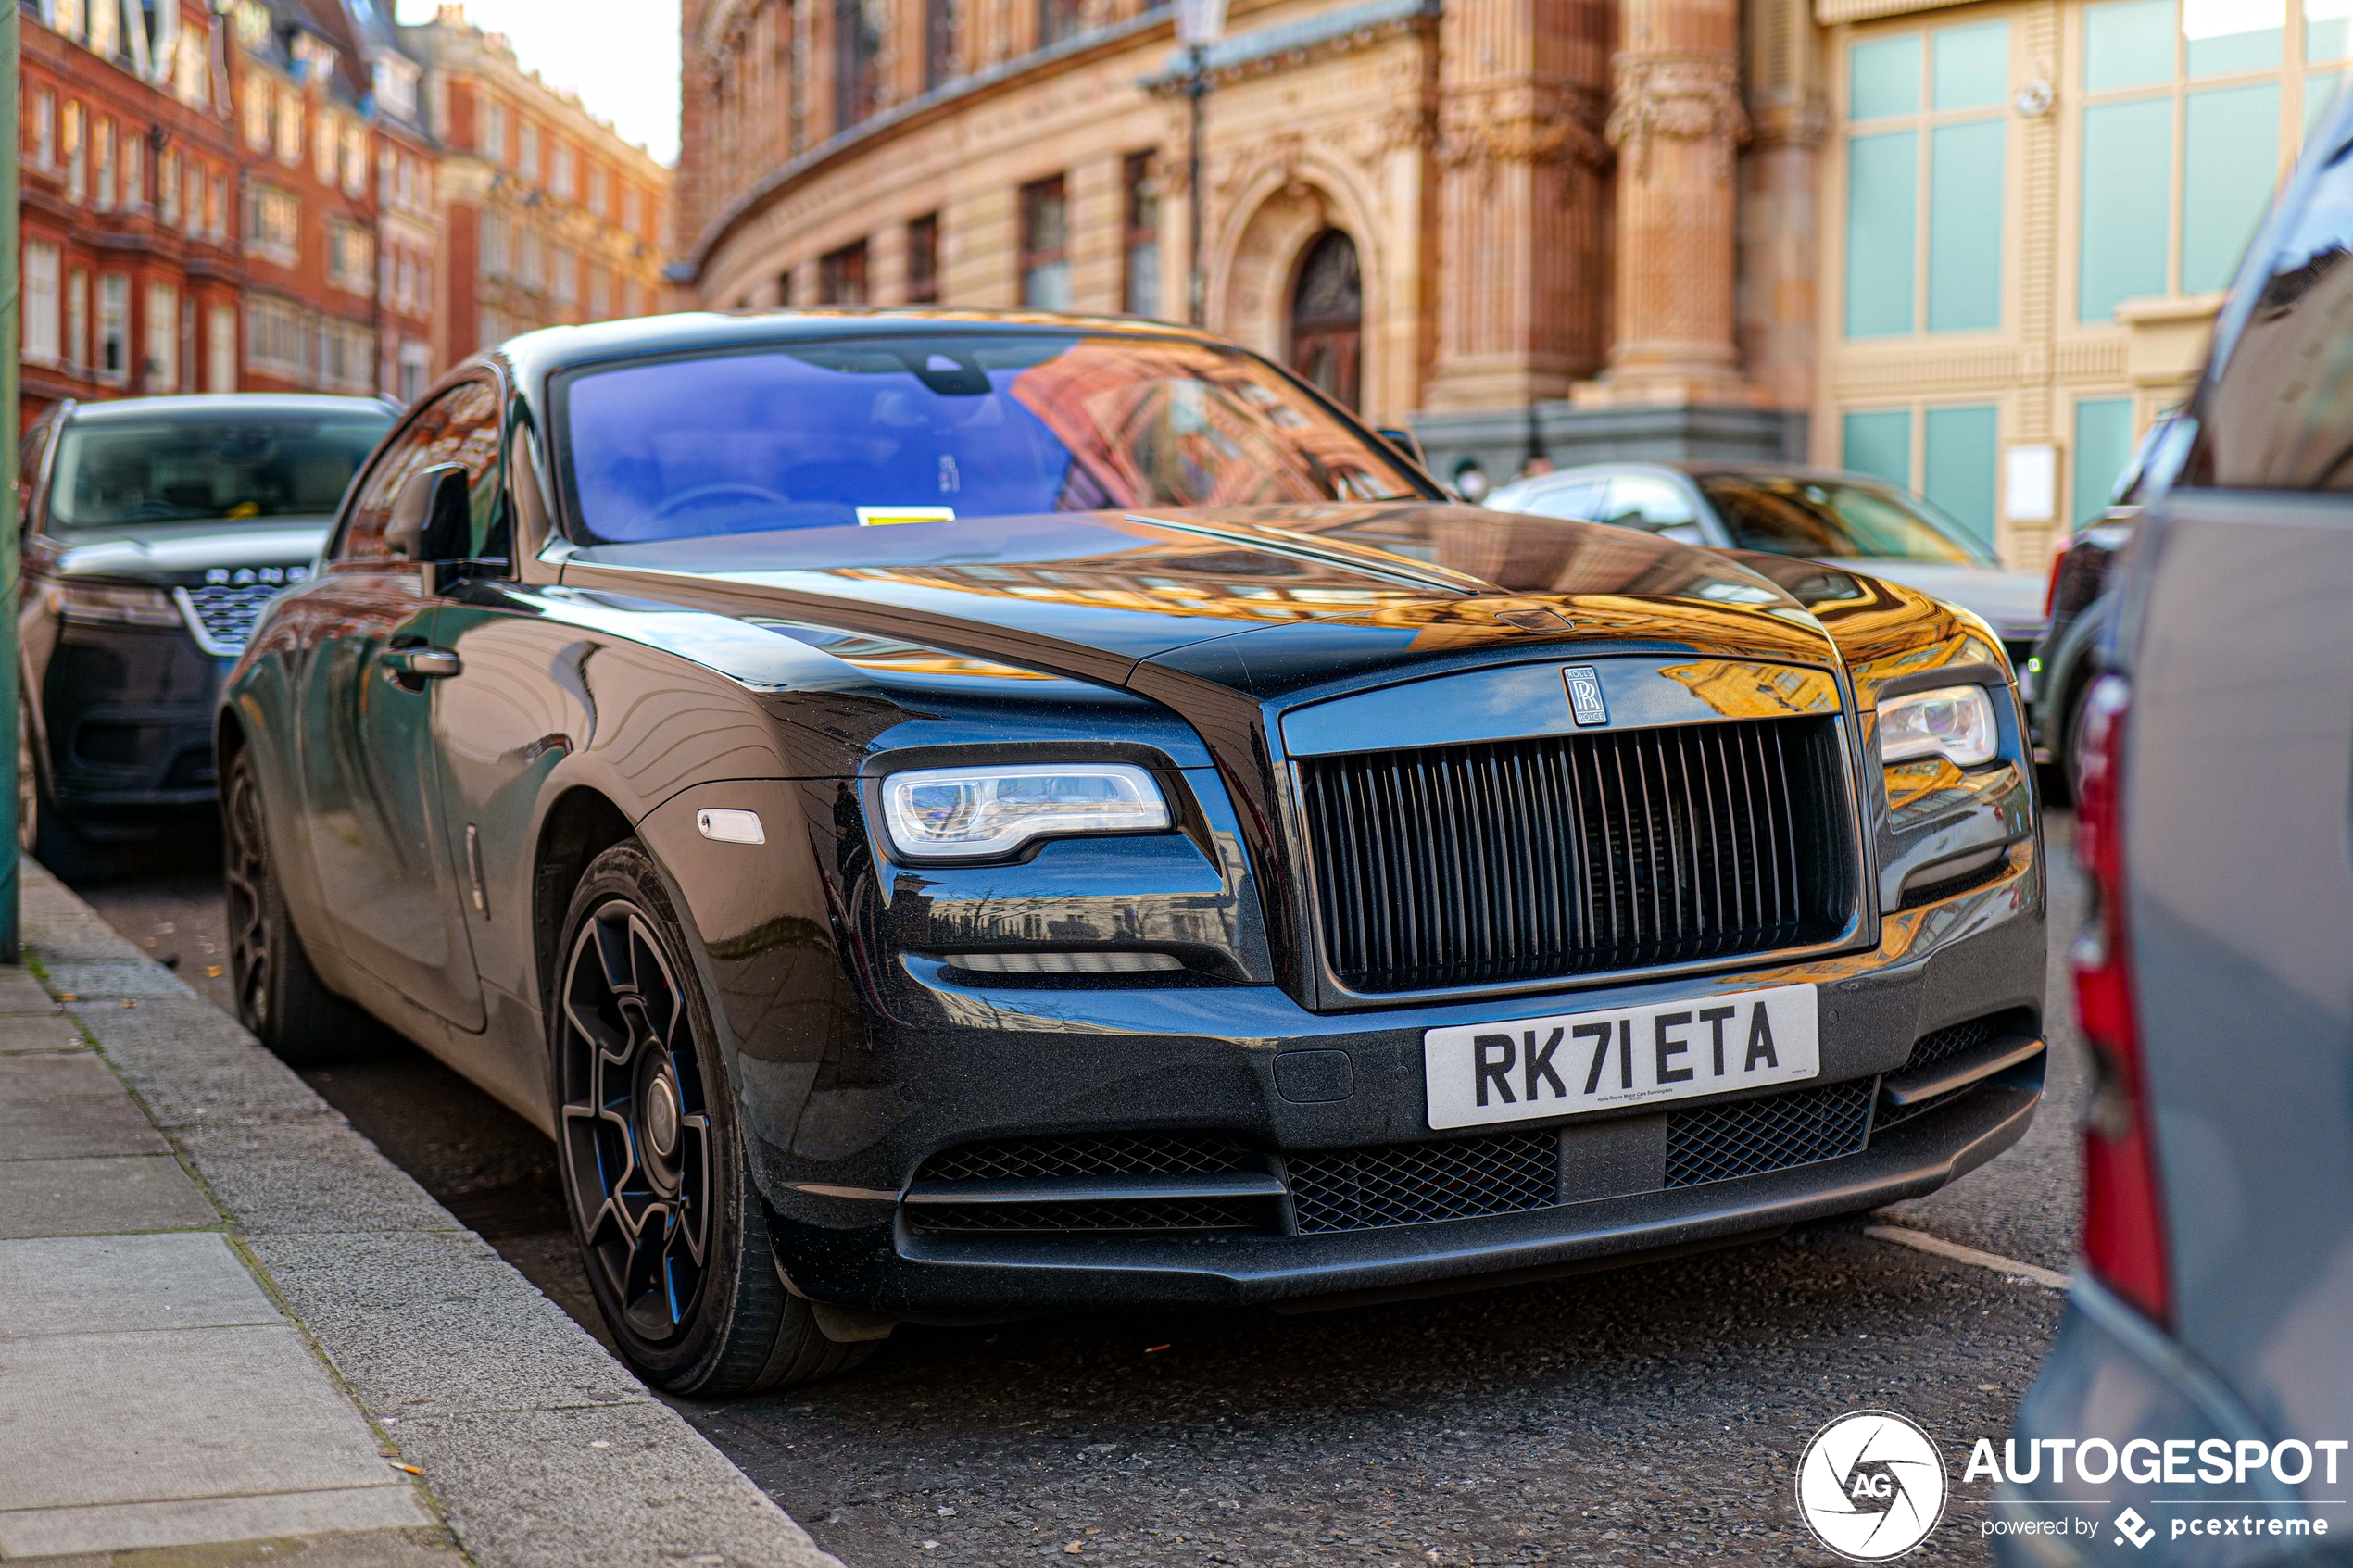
[672, 1230]
[44, 831]
[280, 996]
[2071, 736]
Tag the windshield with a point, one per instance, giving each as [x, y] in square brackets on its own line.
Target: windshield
[1785, 515]
[190, 468]
[937, 429]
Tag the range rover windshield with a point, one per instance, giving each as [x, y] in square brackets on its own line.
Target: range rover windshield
[936, 428]
[208, 467]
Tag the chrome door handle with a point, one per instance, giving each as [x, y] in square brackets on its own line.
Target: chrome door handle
[418, 664]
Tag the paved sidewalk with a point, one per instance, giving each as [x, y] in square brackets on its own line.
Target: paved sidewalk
[229, 1326]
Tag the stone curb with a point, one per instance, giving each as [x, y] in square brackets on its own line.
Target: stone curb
[540, 1447]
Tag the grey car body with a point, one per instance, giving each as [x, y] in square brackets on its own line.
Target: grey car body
[1665, 498]
[2217, 983]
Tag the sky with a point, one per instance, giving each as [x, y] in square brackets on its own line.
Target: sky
[620, 56]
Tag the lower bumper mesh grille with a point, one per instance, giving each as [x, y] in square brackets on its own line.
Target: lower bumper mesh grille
[1412, 1184]
[1776, 1133]
[1166, 1214]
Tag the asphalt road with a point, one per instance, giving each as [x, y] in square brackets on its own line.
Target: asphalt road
[1652, 1415]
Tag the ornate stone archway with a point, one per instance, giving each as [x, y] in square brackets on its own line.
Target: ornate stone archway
[1286, 209]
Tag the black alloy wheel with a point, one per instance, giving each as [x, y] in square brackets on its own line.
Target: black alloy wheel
[280, 996]
[674, 1234]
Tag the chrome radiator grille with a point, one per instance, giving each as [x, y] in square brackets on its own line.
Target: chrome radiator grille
[1514, 860]
[223, 615]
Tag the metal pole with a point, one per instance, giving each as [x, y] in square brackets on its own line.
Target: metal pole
[1196, 286]
[10, 299]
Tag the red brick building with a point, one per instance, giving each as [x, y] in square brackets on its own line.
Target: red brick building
[549, 215]
[131, 273]
[222, 196]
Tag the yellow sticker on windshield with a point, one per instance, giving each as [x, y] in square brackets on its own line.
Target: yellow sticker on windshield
[874, 516]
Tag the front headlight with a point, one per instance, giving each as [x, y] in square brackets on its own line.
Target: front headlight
[1954, 723]
[977, 813]
[95, 603]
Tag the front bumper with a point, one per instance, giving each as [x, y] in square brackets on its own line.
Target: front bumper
[127, 712]
[961, 1063]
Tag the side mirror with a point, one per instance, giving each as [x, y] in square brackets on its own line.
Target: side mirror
[431, 517]
[1405, 441]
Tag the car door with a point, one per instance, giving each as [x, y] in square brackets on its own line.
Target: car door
[370, 780]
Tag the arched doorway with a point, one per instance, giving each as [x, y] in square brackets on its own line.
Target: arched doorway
[1328, 317]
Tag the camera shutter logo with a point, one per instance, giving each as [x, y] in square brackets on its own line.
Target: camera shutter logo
[1871, 1486]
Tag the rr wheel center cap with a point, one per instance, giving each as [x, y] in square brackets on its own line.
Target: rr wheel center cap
[662, 1116]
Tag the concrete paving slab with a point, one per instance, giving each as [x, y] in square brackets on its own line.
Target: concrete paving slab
[308, 1176]
[177, 1414]
[105, 1196]
[20, 993]
[55, 1075]
[427, 1547]
[439, 1325]
[120, 1284]
[193, 1066]
[76, 1124]
[652, 1501]
[29, 1032]
[145, 1526]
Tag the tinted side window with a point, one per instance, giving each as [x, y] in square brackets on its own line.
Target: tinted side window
[460, 426]
[2279, 415]
[1637, 501]
[1580, 501]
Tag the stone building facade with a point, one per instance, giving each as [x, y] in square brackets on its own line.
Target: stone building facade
[550, 216]
[1971, 247]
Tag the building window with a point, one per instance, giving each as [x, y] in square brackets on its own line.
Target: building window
[106, 29]
[103, 197]
[289, 126]
[274, 224]
[78, 319]
[1925, 111]
[76, 136]
[1140, 199]
[281, 338]
[355, 160]
[530, 143]
[632, 305]
[923, 260]
[1956, 448]
[600, 189]
[69, 17]
[632, 213]
[533, 261]
[216, 209]
[940, 43]
[1059, 19]
[841, 275]
[114, 326]
[325, 141]
[416, 370]
[396, 82]
[168, 186]
[495, 132]
[351, 258]
[1045, 246]
[2189, 116]
[2102, 446]
[858, 60]
[347, 357]
[257, 112]
[44, 129]
[220, 348]
[163, 338]
[600, 295]
[44, 319]
[561, 176]
[134, 168]
[496, 257]
[565, 262]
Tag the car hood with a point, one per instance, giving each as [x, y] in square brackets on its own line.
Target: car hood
[1256, 601]
[181, 553]
[2009, 601]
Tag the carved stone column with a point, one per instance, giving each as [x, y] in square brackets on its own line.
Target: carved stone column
[1677, 123]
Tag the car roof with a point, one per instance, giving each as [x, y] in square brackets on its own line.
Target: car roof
[536, 354]
[230, 402]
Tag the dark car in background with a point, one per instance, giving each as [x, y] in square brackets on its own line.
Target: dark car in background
[2213, 1314]
[155, 528]
[1840, 518]
[946, 817]
[2080, 608]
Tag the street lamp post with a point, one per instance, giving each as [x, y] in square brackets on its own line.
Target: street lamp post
[1199, 23]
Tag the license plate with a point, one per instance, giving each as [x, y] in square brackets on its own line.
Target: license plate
[1573, 1062]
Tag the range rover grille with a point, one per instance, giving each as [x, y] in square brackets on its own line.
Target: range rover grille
[223, 615]
[1516, 861]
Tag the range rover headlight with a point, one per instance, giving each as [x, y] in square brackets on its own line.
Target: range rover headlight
[1954, 723]
[979, 813]
[105, 604]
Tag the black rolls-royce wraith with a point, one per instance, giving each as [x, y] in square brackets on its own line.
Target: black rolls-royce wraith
[945, 816]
